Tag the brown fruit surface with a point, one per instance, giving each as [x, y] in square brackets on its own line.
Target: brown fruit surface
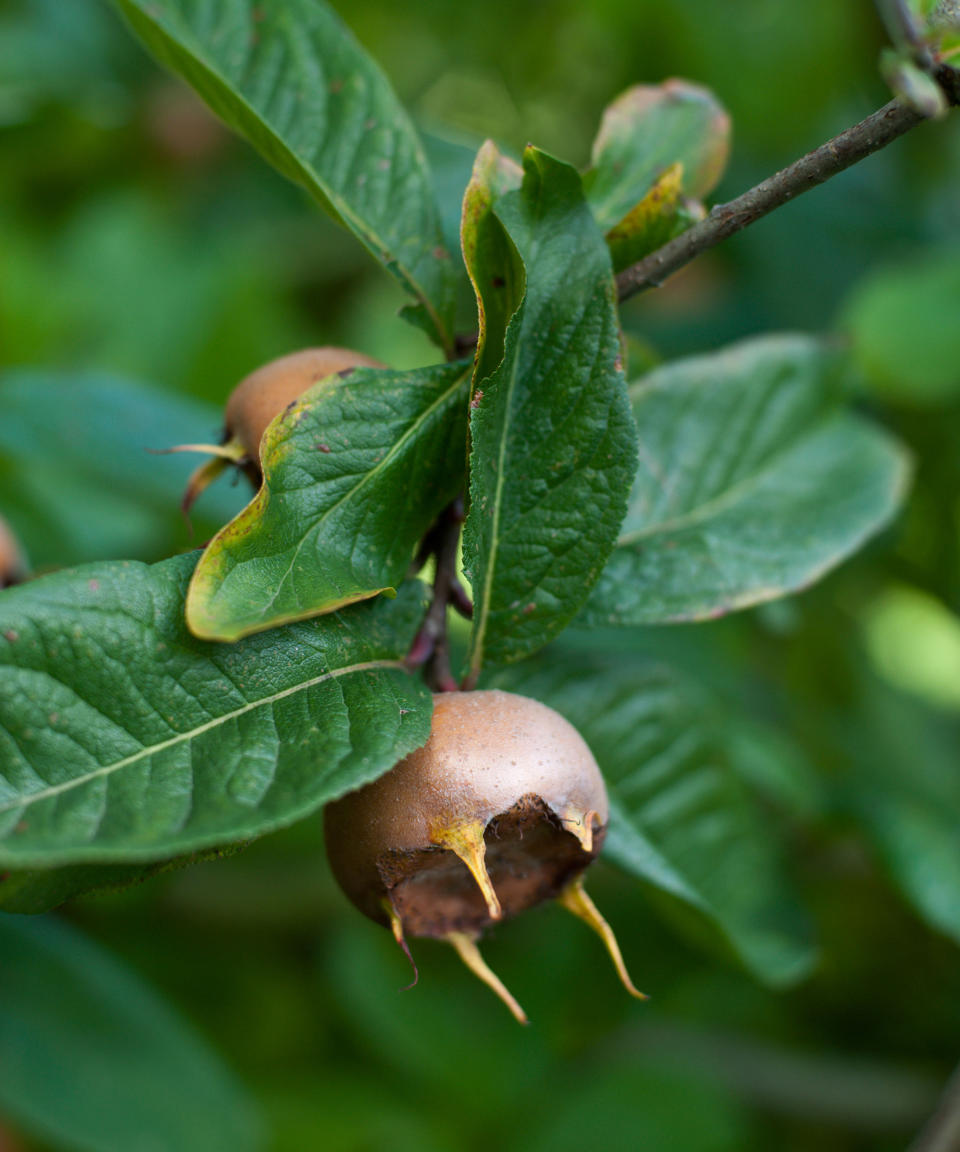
[255, 402]
[265, 393]
[504, 785]
[503, 807]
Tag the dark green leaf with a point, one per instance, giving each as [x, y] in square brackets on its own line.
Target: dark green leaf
[77, 479]
[354, 474]
[647, 130]
[123, 738]
[92, 1058]
[670, 1108]
[451, 163]
[40, 890]
[752, 484]
[553, 444]
[33, 890]
[681, 819]
[293, 80]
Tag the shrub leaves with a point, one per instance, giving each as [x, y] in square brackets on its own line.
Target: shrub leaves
[552, 439]
[124, 738]
[658, 147]
[752, 484]
[681, 820]
[293, 80]
[354, 474]
[93, 1058]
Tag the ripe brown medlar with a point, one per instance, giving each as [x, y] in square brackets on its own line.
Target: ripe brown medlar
[503, 808]
[257, 400]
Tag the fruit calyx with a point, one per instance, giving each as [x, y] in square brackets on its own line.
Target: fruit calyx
[502, 809]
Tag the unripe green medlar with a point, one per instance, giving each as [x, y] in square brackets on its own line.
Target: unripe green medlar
[503, 807]
[257, 400]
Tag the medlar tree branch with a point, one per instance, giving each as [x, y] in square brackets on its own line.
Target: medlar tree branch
[848, 148]
[844, 150]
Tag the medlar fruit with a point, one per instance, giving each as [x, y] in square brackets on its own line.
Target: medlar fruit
[256, 401]
[503, 807]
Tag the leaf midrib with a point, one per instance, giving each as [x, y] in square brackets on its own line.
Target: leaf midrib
[317, 524]
[24, 802]
[730, 496]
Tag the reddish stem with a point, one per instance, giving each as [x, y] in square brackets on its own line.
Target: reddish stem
[430, 648]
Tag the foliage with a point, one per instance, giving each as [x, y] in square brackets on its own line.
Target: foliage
[782, 780]
[58, 989]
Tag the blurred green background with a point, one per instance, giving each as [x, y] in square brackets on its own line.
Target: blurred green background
[144, 248]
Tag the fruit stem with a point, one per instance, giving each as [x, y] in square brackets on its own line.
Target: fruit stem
[430, 647]
[575, 899]
[469, 953]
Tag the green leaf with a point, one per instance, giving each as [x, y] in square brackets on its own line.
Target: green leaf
[643, 133]
[655, 220]
[40, 890]
[451, 163]
[902, 325]
[495, 267]
[292, 79]
[354, 474]
[681, 819]
[92, 1057]
[752, 484]
[123, 738]
[33, 890]
[683, 1109]
[77, 478]
[553, 443]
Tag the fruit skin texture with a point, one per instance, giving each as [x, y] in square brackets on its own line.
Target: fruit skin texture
[265, 393]
[496, 763]
[255, 402]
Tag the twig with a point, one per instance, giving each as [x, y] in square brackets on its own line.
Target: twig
[430, 647]
[855, 144]
[870, 135]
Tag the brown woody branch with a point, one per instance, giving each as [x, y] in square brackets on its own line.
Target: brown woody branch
[870, 135]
